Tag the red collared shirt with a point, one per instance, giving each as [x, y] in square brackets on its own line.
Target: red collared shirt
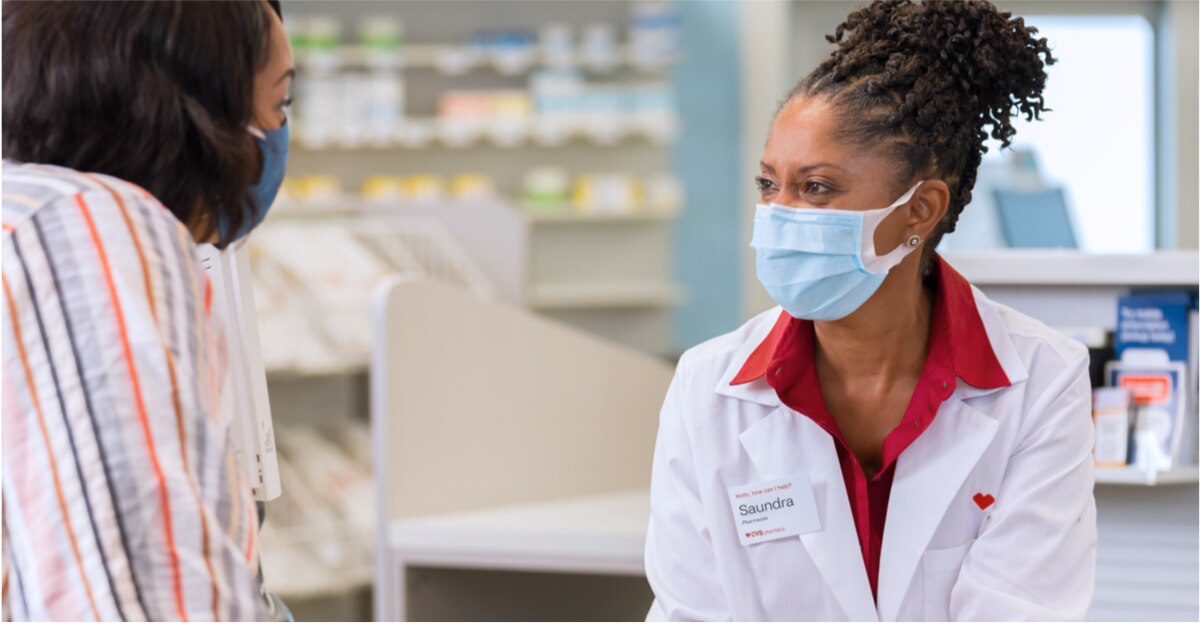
[958, 348]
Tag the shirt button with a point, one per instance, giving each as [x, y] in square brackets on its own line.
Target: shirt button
[917, 423]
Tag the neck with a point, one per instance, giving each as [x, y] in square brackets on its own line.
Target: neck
[886, 338]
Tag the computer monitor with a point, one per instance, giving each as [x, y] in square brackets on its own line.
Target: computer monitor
[1035, 219]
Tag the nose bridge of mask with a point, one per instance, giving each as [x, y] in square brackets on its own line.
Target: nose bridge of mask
[871, 221]
[792, 229]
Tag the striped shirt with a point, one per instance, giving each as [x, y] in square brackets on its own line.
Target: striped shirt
[121, 498]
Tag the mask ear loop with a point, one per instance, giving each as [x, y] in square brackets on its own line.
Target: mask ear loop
[871, 220]
[259, 133]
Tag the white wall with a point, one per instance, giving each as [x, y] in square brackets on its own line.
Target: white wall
[1179, 199]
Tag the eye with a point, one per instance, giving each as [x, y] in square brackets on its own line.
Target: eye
[764, 185]
[815, 188]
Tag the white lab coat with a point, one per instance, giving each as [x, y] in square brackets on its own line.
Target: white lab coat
[1028, 556]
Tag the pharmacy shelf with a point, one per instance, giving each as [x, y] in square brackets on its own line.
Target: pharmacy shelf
[1019, 267]
[349, 205]
[547, 297]
[629, 132]
[295, 372]
[456, 60]
[1131, 475]
[568, 215]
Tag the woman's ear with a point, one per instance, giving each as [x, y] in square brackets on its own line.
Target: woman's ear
[929, 204]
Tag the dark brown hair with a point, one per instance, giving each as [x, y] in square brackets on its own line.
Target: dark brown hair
[929, 79]
[155, 93]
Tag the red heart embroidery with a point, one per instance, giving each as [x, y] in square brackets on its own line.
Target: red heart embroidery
[984, 500]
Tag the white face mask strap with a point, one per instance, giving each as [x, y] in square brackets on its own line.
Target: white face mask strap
[871, 221]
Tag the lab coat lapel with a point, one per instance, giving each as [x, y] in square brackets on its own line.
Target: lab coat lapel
[785, 443]
[757, 391]
[928, 475]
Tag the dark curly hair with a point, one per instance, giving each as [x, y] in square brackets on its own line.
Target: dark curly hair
[929, 79]
[155, 93]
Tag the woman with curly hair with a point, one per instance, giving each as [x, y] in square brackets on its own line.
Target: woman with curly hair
[888, 444]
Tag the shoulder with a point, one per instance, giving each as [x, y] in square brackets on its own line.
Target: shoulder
[92, 237]
[701, 405]
[715, 356]
[1041, 348]
[703, 385]
[1053, 392]
[83, 205]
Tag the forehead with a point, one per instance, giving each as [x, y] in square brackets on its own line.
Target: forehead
[805, 130]
[808, 131]
[281, 46]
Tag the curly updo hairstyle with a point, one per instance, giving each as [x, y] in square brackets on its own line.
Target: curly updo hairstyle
[928, 80]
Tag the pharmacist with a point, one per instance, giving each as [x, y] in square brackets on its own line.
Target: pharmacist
[889, 444]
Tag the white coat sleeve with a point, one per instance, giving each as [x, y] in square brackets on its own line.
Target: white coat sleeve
[1035, 557]
[680, 564]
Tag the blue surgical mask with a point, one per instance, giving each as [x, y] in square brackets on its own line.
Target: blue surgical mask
[274, 147]
[820, 264]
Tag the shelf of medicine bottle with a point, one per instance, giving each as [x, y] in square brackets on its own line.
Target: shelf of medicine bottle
[457, 60]
[561, 297]
[349, 206]
[484, 141]
[567, 215]
[1131, 475]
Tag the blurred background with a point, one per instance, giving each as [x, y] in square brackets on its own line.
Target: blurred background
[591, 164]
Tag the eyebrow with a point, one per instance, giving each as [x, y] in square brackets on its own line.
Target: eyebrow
[805, 168]
[290, 73]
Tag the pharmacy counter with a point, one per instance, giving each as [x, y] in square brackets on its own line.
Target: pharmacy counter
[601, 534]
[581, 558]
[570, 559]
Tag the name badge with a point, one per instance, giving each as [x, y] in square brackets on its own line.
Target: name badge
[774, 509]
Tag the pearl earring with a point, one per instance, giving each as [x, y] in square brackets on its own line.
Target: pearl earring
[914, 240]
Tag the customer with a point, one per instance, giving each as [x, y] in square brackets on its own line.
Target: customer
[132, 131]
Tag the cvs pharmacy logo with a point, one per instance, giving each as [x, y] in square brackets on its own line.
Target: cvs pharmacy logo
[1148, 389]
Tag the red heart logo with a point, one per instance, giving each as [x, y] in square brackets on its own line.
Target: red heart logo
[984, 500]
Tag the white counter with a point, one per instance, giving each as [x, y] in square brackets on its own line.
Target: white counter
[600, 534]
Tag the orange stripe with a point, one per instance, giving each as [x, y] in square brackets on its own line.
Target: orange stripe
[208, 294]
[251, 529]
[141, 408]
[234, 496]
[37, 406]
[175, 402]
[201, 363]
[137, 246]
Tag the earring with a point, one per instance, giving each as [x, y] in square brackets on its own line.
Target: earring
[913, 240]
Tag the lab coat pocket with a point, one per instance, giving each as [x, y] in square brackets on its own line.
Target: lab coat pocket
[940, 568]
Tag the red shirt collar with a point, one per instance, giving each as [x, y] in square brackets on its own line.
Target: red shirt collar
[971, 354]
